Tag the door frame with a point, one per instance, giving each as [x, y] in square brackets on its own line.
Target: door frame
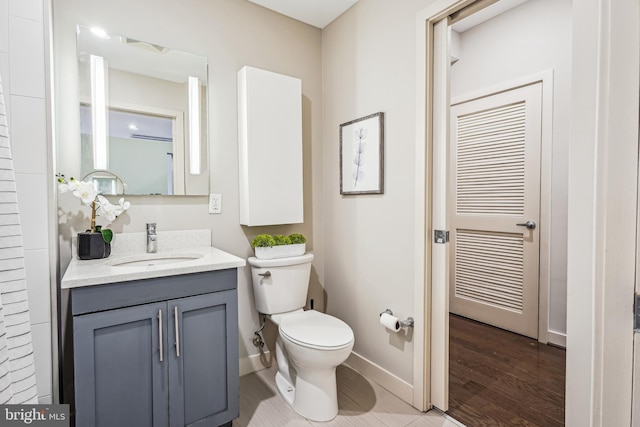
[603, 188]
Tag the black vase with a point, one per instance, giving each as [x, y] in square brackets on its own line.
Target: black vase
[92, 246]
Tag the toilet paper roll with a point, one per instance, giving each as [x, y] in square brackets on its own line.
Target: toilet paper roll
[390, 322]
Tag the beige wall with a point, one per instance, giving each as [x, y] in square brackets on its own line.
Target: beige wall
[231, 34]
[369, 66]
[539, 39]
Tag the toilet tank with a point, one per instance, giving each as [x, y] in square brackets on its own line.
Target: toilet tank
[281, 284]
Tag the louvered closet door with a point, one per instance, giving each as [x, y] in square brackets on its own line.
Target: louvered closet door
[495, 185]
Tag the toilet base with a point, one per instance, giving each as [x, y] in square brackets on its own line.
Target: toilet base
[286, 389]
[312, 393]
[309, 400]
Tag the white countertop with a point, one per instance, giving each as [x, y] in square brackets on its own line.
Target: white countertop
[100, 271]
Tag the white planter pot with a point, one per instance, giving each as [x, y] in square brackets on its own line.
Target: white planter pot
[281, 251]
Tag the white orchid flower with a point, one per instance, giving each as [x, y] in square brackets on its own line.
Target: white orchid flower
[85, 191]
[124, 205]
[70, 185]
[106, 209]
[109, 210]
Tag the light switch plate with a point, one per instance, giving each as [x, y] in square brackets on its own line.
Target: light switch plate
[215, 203]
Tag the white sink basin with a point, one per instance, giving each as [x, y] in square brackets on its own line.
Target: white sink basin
[149, 260]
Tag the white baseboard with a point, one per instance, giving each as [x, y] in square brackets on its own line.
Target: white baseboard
[557, 338]
[381, 376]
[256, 362]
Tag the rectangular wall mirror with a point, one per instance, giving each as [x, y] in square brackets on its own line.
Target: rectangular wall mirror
[143, 115]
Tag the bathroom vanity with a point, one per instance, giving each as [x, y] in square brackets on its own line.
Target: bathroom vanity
[155, 343]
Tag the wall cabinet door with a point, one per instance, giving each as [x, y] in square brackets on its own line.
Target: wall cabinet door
[119, 378]
[203, 368]
[270, 132]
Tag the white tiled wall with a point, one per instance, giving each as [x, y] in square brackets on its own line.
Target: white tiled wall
[22, 68]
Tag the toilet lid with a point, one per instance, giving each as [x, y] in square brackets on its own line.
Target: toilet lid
[316, 329]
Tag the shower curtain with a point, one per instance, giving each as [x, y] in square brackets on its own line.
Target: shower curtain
[17, 370]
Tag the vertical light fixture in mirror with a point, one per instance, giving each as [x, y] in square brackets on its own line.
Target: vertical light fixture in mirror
[194, 125]
[149, 110]
[99, 112]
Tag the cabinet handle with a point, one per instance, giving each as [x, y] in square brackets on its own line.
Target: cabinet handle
[175, 322]
[160, 333]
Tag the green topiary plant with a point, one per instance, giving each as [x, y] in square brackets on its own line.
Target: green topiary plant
[296, 239]
[263, 241]
[281, 240]
[278, 246]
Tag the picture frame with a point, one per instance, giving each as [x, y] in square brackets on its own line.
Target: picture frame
[362, 155]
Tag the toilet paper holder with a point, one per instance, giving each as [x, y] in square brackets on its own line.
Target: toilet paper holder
[408, 323]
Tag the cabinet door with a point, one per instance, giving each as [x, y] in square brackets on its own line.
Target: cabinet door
[119, 378]
[203, 375]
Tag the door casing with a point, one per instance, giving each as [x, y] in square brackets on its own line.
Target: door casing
[431, 347]
[603, 186]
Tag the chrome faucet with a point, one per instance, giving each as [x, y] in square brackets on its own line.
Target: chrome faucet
[152, 238]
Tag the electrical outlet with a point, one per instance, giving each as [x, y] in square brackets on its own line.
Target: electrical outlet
[215, 203]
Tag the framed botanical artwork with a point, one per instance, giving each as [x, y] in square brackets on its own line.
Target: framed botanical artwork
[362, 155]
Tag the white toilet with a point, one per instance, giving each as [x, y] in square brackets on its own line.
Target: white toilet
[310, 344]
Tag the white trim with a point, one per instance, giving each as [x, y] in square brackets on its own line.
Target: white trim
[52, 201]
[546, 78]
[602, 193]
[557, 338]
[635, 397]
[440, 218]
[421, 252]
[425, 19]
[255, 363]
[381, 376]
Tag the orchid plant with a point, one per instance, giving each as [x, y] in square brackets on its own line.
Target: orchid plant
[86, 192]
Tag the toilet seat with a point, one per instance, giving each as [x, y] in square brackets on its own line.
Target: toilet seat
[317, 330]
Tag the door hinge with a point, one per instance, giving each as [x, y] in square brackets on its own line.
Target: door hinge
[440, 236]
[636, 312]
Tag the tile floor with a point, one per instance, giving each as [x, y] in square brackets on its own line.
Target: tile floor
[361, 401]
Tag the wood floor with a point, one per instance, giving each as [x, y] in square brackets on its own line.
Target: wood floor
[498, 378]
[361, 403]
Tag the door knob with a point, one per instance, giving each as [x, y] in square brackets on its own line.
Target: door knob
[529, 224]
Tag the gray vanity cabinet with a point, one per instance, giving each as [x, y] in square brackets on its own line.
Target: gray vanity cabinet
[168, 362]
[119, 379]
[200, 370]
